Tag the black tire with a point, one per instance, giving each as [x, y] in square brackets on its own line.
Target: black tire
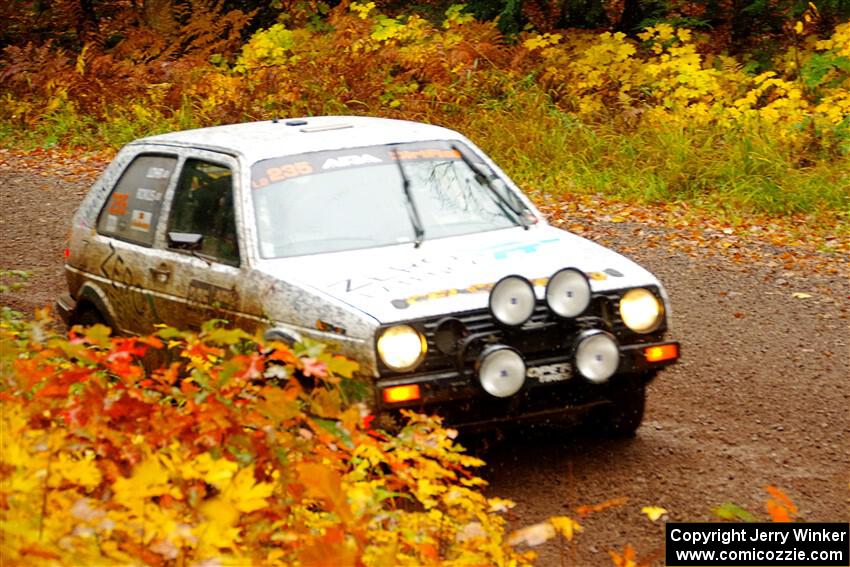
[87, 316]
[624, 414]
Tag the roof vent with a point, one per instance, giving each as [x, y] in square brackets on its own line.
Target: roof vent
[295, 122]
[326, 128]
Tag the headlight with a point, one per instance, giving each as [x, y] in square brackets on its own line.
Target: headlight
[641, 311]
[512, 300]
[568, 293]
[402, 347]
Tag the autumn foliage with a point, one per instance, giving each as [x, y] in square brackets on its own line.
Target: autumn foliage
[358, 60]
[670, 112]
[245, 452]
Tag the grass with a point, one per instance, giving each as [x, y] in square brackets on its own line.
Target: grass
[550, 153]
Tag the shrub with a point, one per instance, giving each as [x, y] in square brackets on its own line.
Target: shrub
[104, 462]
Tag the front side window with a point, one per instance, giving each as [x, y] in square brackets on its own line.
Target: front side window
[376, 196]
[203, 207]
[132, 210]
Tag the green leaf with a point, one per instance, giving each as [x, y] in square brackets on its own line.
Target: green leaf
[334, 428]
[342, 366]
[225, 336]
[98, 334]
[730, 511]
[168, 333]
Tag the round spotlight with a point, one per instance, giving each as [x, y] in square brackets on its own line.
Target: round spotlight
[512, 300]
[501, 371]
[641, 311]
[402, 348]
[568, 293]
[597, 356]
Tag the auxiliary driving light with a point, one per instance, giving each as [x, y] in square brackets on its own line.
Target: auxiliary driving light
[641, 311]
[597, 356]
[568, 293]
[501, 371]
[512, 300]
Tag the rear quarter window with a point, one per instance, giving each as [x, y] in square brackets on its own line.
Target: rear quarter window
[132, 209]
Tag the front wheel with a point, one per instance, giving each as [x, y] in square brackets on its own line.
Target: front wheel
[622, 416]
[86, 317]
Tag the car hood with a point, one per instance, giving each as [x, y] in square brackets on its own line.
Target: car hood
[449, 275]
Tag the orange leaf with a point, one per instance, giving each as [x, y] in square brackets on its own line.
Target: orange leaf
[33, 551]
[591, 508]
[324, 483]
[777, 513]
[780, 507]
[322, 554]
[627, 559]
[780, 496]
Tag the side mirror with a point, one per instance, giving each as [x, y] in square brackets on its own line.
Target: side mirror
[185, 240]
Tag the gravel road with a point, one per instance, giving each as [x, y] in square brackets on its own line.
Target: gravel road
[761, 396]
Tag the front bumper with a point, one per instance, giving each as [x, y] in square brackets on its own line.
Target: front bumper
[553, 388]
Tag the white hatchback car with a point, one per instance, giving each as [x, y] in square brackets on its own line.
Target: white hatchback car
[401, 244]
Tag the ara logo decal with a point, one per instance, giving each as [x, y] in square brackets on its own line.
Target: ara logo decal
[348, 161]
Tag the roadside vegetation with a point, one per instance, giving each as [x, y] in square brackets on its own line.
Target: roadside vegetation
[671, 112]
[241, 452]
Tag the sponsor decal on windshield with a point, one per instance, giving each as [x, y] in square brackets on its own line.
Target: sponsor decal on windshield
[350, 161]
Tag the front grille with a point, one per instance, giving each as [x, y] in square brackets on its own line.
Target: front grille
[481, 321]
[543, 336]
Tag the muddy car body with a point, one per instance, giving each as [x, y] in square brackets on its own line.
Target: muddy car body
[401, 244]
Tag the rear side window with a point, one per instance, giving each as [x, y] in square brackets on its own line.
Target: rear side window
[132, 210]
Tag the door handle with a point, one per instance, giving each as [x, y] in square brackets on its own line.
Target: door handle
[161, 274]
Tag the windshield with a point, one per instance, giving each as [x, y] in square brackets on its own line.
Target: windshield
[356, 198]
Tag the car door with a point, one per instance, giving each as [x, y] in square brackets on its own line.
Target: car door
[118, 255]
[201, 252]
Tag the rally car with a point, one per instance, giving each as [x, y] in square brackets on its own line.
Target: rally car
[401, 244]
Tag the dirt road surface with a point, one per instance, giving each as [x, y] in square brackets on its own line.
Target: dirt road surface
[761, 396]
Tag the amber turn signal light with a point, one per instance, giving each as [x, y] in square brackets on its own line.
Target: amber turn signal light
[397, 394]
[660, 353]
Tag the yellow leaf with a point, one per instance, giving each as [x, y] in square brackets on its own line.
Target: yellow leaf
[799, 28]
[801, 295]
[245, 494]
[653, 512]
[82, 471]
[499, 504]
[218, 530]
[566, 526]
[213, 471]
[149, 478]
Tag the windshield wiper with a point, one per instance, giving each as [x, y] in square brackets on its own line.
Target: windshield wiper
[520, 215]
[415, 219]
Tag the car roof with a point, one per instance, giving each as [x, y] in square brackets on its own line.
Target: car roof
[287, 136]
